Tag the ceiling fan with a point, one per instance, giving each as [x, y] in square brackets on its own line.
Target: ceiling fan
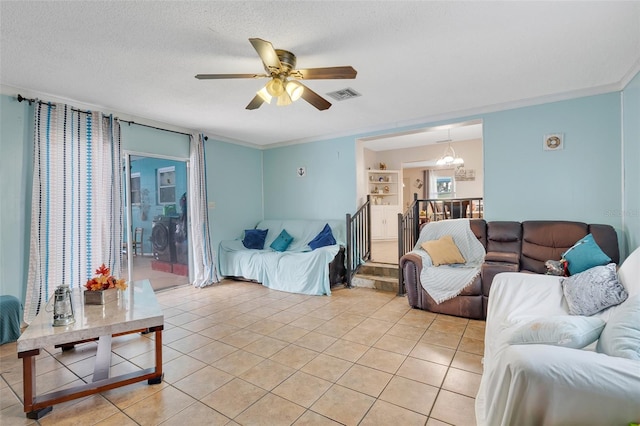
[284, 84]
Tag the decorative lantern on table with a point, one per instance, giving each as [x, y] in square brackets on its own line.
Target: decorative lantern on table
[62, 307]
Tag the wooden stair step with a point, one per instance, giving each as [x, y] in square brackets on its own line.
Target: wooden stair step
[379, 269]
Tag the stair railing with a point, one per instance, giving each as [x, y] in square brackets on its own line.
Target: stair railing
[358, 239]
[408, 231]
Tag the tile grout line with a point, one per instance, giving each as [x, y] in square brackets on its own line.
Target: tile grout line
[350, 303]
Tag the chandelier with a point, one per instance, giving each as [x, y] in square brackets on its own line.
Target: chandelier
[449, 156]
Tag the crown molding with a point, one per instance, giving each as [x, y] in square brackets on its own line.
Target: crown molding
[633, 71]
[466, 115]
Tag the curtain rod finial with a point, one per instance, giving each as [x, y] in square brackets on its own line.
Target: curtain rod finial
[22, 98]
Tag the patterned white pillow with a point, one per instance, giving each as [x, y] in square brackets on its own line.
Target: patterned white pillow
[593, 290]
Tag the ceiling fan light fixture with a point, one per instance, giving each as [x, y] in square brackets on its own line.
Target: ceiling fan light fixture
[264, 94]
[280, 65]
[284, 99]
[275, 87]
[294, 89]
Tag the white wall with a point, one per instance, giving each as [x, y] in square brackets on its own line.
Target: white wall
[410, 176]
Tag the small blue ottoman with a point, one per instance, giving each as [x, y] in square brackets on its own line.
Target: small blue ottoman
[10, 310]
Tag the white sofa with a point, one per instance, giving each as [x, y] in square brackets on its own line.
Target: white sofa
[296, 270]
[541, 384]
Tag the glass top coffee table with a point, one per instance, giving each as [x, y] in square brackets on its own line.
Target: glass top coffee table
[136, 310]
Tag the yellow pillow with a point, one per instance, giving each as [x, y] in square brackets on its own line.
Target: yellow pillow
[443, 251]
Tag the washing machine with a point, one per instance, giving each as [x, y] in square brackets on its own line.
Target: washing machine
[162, 238]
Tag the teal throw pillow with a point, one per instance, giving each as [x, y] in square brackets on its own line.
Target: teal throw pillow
[254, 238]
[324, 238]
[282, 242]
[585, 254]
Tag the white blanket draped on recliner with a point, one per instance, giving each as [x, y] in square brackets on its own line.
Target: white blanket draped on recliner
[447, 281]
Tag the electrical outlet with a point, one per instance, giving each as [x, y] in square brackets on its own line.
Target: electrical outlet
[212, 204]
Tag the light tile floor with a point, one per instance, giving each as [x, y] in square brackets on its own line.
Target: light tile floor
[239, 353]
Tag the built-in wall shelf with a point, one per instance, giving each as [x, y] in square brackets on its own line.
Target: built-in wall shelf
[383, 187]
[386, 198]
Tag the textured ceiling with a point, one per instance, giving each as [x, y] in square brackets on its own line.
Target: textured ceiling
[416, 61]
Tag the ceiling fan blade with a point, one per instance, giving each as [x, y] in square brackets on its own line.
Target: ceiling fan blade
[314, 99]
[219, 76]
[346, 72]
[267, 53]
[255, 103]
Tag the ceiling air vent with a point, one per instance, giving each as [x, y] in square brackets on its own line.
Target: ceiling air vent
[343, 94]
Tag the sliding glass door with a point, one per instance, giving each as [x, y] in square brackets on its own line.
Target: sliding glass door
[156, 242]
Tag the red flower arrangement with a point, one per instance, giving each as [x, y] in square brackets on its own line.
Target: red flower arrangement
[104, 280]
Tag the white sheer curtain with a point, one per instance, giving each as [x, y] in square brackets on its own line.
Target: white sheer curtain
[204, 259]
[76, 215]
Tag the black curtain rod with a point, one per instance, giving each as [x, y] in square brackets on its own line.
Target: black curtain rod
[206, 138]
[154, 127]
[36, 100]
[151, 127]
[33, 100]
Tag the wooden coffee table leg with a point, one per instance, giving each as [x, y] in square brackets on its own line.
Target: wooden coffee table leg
[29, 384]
[159, 373]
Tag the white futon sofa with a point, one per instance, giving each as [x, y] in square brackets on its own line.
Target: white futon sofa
[547, 384]
[298, 269]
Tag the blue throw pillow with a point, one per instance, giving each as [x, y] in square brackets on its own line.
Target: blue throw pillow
[585, 254]
[282, 242]
[324, 238]
[254, 238]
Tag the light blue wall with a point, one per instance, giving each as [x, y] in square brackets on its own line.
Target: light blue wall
[328, 191]
[147, 140]
[631, 131]
[234, 176]
[522, 181]
[16, 129]
[582, 182]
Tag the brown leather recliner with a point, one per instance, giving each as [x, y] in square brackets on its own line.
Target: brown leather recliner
[510, 247]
